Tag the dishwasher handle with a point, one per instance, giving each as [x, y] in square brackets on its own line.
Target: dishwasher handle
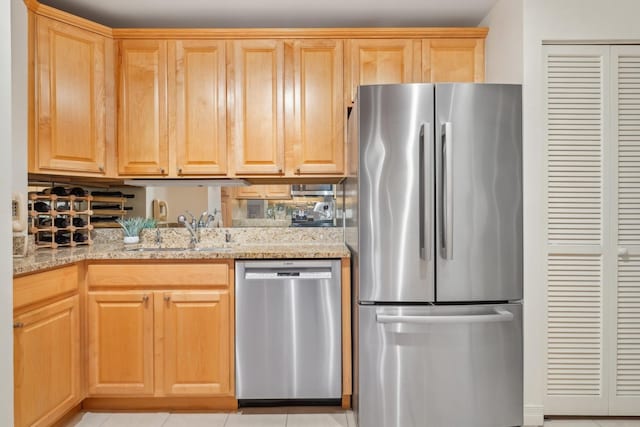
[283, 275]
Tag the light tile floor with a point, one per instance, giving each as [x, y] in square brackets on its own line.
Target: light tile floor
[332, 419]
[600, 422]
[164, 419]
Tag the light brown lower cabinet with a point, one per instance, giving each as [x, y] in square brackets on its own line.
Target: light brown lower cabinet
[160, 342]
[120, 343]
[47, 362]
[195, 333]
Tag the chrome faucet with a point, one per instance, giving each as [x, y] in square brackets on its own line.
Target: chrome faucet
[193, 229]
[158, 237]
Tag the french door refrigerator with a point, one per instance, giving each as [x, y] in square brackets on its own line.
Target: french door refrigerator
[434, 221]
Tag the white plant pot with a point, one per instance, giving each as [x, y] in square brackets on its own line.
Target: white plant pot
[131, 239]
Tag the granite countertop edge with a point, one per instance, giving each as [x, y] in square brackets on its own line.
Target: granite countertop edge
[44, 259]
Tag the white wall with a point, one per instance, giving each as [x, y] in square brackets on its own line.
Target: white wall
[503, 46]
[19, 63]
[552, 20]
[6, 265]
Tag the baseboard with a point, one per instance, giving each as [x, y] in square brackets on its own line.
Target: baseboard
[194, 404]
[533, 415]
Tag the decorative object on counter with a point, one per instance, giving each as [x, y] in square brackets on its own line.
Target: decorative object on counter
[60, 217]
[133, 226]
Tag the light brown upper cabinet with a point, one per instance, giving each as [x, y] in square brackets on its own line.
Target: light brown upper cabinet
[315, 123]
[256, 106]
[200, 106]
[453, 60]
[69, 133]
[380, 61]
[217, 102]
[142, 108]
[405, 61]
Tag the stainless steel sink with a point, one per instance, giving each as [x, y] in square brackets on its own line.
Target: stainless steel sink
[156, 249]
[206, 249]
[211, 249]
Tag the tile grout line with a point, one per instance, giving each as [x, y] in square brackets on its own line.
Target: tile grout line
[165, 420]
[105, 420]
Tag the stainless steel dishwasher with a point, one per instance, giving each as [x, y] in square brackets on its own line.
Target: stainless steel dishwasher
[288, 330]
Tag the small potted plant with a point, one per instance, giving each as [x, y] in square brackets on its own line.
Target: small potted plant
[133, 226]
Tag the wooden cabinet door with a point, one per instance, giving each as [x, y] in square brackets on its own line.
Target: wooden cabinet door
[142, 108]
[46, 363]
[453, 60]
[383, 62]
[256, 85]
[120, 343]
[70, 99]
[317, 145]
[200, 107]
[278, 192]
[197, 342]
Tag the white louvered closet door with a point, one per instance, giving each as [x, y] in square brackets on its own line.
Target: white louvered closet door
[625, 302]
[577, 105]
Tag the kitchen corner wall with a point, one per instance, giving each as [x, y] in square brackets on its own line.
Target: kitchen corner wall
[503, 45]
[6, 288]
[19, 103]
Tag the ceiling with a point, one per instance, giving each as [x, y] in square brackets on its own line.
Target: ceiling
[278, 13]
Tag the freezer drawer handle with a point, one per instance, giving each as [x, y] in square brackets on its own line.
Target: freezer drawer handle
[499, 315]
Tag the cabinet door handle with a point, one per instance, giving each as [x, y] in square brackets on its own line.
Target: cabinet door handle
[280, 171]
[162, 171]
[101, 168]
[18, 325]
[180, 171]
[167, 298]
[145, 298]
[297, 171]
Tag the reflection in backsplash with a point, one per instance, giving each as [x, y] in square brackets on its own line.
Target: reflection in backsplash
[286, 211]
[298, 211]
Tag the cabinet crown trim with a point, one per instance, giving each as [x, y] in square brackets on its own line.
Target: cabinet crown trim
[68, 18]
[300, 33]
[257, 33]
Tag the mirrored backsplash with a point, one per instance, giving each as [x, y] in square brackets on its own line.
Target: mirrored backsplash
[275, 206]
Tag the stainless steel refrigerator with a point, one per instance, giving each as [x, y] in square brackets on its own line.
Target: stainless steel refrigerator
[434, 219]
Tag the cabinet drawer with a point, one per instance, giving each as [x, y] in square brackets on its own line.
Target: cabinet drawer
[158, 275]
[38, 287]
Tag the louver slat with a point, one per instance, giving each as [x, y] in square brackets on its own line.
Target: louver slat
[628, 328]
[628, 296]
[574, 142]
[629, 152]
[574, 354]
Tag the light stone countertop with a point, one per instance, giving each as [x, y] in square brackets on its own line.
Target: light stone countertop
[48, 258]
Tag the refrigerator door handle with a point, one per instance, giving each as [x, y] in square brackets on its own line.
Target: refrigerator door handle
[497, 315]
[447, 191]
[423, 215]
